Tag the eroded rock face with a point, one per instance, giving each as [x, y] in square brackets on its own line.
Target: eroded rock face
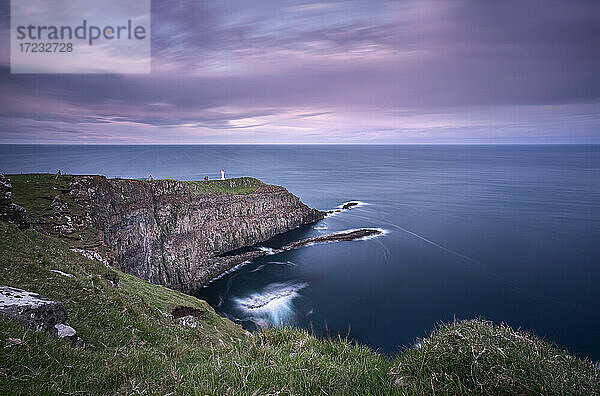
[167, 233]
[37, 312]
[9, 211]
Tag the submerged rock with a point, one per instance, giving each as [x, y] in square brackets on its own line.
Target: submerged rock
[34, 311]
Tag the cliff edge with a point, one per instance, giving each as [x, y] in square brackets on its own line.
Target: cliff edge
[168, 232]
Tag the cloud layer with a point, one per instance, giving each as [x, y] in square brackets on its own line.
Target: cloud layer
[331, 72]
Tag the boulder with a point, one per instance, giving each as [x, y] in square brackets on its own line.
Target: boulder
[34, 311]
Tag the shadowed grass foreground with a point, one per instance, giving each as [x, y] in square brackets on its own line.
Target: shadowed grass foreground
[477, 357]
[133, 348]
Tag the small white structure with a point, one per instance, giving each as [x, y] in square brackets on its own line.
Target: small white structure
[222, 174]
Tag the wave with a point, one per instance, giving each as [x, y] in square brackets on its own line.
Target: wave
[229, 271]
[260, 267]
[272, 305]
[291, 263]
[270, 251]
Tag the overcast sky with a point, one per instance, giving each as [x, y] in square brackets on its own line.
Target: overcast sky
[330, 72]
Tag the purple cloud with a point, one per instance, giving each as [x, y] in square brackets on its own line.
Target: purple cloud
[332, 72]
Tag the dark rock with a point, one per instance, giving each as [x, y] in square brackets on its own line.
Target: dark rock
[16, 214]
[31, 309]
[181, 311]
[9, 211]
[217, 266]
[187, 316]
[349, 205]
[340, 236]
[58, 205]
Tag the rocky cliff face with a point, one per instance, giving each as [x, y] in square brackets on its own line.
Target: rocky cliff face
[8, 210]
[171, 233]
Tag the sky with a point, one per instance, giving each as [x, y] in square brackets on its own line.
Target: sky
[336, 72]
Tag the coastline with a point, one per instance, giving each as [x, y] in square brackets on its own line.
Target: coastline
[168, 232]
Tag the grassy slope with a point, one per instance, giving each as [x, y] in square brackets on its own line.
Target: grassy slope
[133, 348]
[35, 192]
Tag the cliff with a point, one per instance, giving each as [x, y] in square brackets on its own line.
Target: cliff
[167, 232]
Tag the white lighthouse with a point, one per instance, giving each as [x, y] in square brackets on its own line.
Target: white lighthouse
[222, 174]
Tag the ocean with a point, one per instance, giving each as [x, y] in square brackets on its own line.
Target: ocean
[507, 233]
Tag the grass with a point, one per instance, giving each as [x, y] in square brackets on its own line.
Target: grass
[477, 357]
[132, 348]
[239, 185]
[36, 192]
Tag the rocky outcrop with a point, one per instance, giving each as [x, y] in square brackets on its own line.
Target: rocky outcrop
[173, 233]
[349, 205]
[37, 312]
[337, 237]
[9, 211]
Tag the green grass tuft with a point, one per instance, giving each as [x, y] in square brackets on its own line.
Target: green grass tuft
[476, 356]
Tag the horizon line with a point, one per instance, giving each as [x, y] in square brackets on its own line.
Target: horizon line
[306, 144]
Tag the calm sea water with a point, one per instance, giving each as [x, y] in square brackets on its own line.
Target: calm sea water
[509, 233]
